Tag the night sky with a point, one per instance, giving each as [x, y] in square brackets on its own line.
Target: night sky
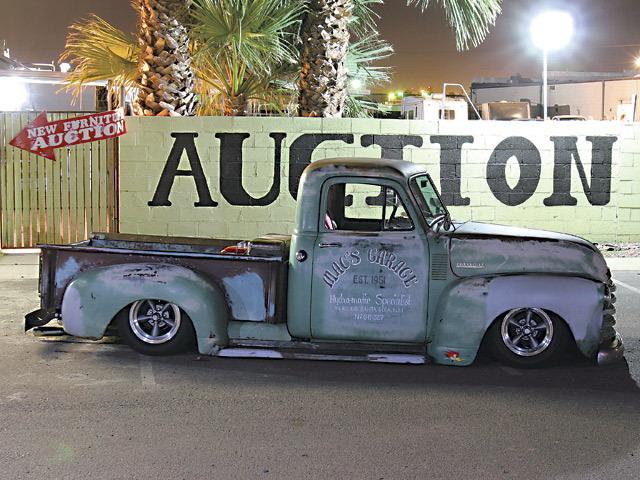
[607, 37]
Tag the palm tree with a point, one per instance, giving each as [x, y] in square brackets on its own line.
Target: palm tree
[165, 74]
[326, 35]
[159, 64]
[245, 51]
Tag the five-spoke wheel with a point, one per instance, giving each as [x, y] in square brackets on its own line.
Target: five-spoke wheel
[154, 321]
[527, 331]
[155, 327]
[528, 337]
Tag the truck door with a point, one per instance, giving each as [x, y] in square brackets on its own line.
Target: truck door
[370, 264]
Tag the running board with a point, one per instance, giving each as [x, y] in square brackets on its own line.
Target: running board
[399, 358]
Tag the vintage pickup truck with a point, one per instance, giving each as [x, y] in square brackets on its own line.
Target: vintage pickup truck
[375, 270]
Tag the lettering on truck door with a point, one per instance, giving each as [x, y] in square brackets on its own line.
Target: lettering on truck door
[370, 263]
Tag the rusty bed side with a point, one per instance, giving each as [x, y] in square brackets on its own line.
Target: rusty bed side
[60, 264]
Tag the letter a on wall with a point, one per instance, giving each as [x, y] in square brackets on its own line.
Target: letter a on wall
[185, 142]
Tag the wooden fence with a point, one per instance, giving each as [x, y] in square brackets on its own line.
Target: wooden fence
[42, 201]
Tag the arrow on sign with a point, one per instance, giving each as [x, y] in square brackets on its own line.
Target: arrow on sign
[42, 137]
[24, 141]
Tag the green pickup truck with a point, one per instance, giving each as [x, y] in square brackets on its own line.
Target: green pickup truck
[375, 270]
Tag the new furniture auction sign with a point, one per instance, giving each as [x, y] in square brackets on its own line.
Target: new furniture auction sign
[41, 137]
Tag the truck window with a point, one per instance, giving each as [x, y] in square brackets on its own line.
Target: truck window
[366, 208]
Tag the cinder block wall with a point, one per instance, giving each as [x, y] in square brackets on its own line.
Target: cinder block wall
[214, 176]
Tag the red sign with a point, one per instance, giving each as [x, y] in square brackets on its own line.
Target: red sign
[41, 137]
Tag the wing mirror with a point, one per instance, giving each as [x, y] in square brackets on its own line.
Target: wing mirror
[441, 222]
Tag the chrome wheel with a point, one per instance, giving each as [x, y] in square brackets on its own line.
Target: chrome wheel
[154, 321]
[527, 332]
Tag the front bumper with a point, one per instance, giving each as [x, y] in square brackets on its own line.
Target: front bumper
[611, 351]
[611, 348]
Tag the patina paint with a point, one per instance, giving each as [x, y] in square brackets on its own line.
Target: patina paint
[94, 298]
[483, 249]
[393, 291]
[469, 307]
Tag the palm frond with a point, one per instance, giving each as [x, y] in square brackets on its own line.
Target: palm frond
[363, 54]
[361, 57]
[255, 33]
[99, 51]
[364, 18]
[358, 107]
[470, 19]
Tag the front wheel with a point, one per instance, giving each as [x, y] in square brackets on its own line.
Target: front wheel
[155, 327]
[528, 338]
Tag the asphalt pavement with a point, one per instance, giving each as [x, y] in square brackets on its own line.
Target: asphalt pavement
[78, 410]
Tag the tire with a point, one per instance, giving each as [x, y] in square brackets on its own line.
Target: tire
[528, 338]
[156, 327]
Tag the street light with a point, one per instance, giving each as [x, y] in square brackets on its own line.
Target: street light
[550, 31]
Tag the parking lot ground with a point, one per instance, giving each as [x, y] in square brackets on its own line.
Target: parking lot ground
[98, 410]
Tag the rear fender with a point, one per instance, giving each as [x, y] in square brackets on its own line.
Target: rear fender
[468, 309]
[93, 299]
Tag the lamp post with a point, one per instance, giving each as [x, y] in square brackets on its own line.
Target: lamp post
[550, 31]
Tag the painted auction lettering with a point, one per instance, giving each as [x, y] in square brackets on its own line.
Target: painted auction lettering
[451, 168]
[528, 158]
[185, 142]
[597, 190]
[392, 145]
[231, 170]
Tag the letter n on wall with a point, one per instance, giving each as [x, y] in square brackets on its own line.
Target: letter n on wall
[599, 191]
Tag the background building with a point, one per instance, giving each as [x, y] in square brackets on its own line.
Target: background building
[596, 96]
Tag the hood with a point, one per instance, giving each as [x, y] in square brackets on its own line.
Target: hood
[483, 248]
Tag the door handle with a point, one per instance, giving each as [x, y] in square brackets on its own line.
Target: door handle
[329, 245]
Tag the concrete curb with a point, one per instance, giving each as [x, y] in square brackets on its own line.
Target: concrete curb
[18, 266]
[623, 263]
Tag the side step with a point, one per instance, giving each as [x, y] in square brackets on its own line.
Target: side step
[378, 357]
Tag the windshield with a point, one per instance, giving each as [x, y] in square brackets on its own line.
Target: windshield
[427, 196]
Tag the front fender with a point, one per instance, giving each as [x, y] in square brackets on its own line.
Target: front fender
[466, 311]
[96, 296]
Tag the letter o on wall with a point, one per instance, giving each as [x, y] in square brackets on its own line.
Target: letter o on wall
[528, 158]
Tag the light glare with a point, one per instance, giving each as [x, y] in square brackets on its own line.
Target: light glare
[356, 84]
[552, 30]
[13, 94]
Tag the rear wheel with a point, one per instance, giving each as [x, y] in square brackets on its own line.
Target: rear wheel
[156, 327]
[528, 337]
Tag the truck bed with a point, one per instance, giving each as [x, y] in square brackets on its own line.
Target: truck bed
[263, 271]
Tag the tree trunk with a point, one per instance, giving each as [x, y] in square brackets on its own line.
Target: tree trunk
[235, 106]
[323, 78]
[166, 79]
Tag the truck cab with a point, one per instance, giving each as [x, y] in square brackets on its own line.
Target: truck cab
[360, 252]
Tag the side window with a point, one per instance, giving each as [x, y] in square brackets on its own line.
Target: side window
[366, 208]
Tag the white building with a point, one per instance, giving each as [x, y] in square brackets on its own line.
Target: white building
[596, 96]
[433, 108]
